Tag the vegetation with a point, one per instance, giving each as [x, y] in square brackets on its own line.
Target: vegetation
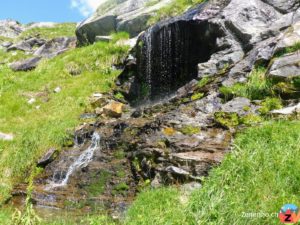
[190, 130]
[175, 8]
[46, 122]
[287, 50]
[59, 30]
[249, 180]
[158, 206]
[257, 86]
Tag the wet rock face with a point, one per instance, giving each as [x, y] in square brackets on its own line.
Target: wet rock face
[167, 56]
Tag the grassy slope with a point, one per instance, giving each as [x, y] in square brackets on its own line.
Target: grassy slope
[260, 175]
[176, 7]
[60, 30]
[36, 130]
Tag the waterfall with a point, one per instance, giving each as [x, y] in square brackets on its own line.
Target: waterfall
[83, 160]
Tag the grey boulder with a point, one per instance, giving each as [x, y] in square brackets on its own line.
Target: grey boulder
[25, 65]
[285, 67]
[55, 47]
[284, 5]
[126, 15]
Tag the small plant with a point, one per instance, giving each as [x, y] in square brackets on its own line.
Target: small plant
[288, 50]
[204, 81]
[176, 7]
[197, 96]
[28, 216]
[227, 119]
[190, 130]
[257, 87]
[270, 104]
[119, 36]
[250, 119]
[119, 95]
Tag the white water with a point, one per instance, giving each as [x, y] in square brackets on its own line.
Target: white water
[83, 160]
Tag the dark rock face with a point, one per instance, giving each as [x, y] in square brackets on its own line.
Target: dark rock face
[168, 54]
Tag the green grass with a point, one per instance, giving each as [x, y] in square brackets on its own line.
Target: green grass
[259, 175]
[36, 130]
[59, 30]
[288, 50]
[257, 86]
[158, 206]
[176, 7]
[9, 57]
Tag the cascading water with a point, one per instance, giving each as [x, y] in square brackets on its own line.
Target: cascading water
[167, 57]
[83, 160]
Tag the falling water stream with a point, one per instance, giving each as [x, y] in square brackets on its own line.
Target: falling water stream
[80, 162]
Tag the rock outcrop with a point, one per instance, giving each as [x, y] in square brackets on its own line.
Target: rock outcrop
[285, 67]
[10, 28]
[114, 16]
[203, 42]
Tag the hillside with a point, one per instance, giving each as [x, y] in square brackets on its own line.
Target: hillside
[152, 112]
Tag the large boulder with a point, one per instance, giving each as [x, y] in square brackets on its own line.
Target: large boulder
[118, 15]
[285, 67]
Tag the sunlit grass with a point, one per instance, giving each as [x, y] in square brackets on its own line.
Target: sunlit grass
[49, 121]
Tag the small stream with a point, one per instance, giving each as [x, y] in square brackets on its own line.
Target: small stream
[60, 178]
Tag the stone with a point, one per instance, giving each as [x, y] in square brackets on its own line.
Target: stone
[25, 65]
[177, 170]
[285, 67]
[113, 109]
[289, 38]
[284, 6]
[48, 157]
[98, 100]
[103, 38]
[31, 101]
[99, 111]
[249, 19]
[57, 90]
[126, 15]
[287, 111]
[21, 46]
[55, 47]
[6, 137]
[237, 105]
[6, 44]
